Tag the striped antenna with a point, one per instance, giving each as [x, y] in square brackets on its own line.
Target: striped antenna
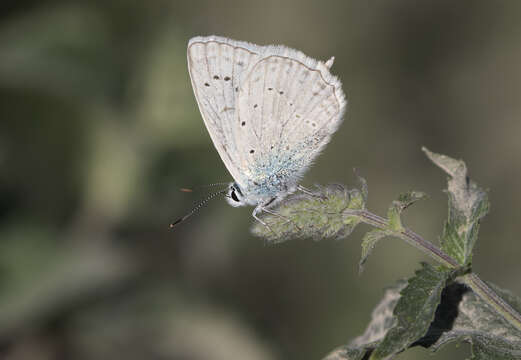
[197, 207]
[203, 186]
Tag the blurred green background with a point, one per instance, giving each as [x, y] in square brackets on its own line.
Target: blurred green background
[99, 129]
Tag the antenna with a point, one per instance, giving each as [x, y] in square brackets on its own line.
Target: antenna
[191, 189]
[197, 207]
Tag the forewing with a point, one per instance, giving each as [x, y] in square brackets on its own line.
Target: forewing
[289, 106]
[217, 67]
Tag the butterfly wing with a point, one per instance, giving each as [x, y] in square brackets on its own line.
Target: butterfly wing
[289, 105]
[217, 66]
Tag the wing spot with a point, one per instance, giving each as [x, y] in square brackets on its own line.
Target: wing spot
[313, 124]
[255, 106]
[216, 77]
[271, 147]
[236, 89]
[281, 92]
[269, 89]
[297, 116]
[252, 151]
[243, 123]
[206, 84]
[315, 94]
[240, 63]
[227, 78]
[290, 104]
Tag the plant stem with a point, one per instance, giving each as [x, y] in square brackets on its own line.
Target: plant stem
[412, 238]
[479, 287]
[490, 296]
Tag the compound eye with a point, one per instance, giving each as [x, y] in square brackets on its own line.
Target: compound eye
[234, 196]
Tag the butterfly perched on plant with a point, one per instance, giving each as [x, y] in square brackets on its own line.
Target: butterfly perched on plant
[269, 110]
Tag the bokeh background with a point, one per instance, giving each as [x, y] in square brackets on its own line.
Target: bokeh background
[99, 129]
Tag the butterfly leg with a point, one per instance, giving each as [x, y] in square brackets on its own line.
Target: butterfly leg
[310, 193]
[282, 217]
[258, 209]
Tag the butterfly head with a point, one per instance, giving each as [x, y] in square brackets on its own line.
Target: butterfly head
[235, 197]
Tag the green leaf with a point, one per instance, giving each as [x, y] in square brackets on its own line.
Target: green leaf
[468, 318]
[398, 206]
[414, 311]
[395, 221]
[368, 243]
[395, 224]
[363, 186]
[460, 316]
[468, 204]
[407, 199]
[327, 213]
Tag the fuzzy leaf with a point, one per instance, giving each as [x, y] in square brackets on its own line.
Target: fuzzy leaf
[465, 317]
[414, 311]
[321, 215]
[395, 224]
[382, 318]
[468, 204]
[363, 186]
[398, 206]
[461, 316]
[368, 243]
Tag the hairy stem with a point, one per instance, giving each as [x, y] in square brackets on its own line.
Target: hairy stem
[490, 296]
[412, 238]
[479, 287]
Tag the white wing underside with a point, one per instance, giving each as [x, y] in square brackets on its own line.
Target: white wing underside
[267, 108]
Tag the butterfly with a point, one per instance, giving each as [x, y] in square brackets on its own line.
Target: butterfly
[269, 111]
